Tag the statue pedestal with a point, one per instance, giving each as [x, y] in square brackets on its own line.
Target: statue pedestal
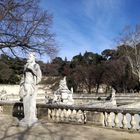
[28, 123]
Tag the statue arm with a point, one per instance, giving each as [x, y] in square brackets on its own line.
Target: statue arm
[36, 71]
[32, 69]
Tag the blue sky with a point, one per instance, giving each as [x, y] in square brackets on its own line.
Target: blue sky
[90, 25]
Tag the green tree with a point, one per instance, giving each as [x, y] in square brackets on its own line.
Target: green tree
[5, 72]
[109, 54]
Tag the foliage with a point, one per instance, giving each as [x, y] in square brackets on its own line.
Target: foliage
[11, 69]
[130, 43]
[84, 72]
[25, 27]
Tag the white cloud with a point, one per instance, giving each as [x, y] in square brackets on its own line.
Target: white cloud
[90, 26]
[72, 40]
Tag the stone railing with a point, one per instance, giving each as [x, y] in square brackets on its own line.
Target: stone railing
[62, 113]
[121, 99]
[107, 117]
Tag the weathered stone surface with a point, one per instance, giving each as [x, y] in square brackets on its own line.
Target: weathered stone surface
[133, 105]
[63, 95]
[95, 118]
[9, 130]
[111, 102]
[28, 90]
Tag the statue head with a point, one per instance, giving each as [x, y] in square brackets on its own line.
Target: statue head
[31, 57]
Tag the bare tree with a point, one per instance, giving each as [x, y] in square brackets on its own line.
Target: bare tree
[130, 40]
[25, 27]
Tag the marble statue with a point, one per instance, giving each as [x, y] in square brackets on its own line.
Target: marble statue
[63, 95]
[113, 98]
[28, 90]
[111, 103]
[71, 90]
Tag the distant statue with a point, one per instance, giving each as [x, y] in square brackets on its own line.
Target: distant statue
[109, 102]
[28, 90]
[113, 98]
[63, 95]
[71, 90]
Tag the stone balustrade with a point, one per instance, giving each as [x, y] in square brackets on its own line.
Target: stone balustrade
[67, 115]
[107, 117]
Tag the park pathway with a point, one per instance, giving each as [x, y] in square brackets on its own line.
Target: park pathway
[9, 130]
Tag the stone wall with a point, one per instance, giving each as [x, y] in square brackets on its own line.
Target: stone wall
[122, 99]
[12, 92]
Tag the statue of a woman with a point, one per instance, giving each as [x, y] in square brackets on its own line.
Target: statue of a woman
[28, 90]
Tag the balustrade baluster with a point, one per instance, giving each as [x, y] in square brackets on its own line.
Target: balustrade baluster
[57, 115]
[117, 120]
[65, 118]
[59, 111]
[85, 116]
[105, 119]
[62, 115]
[102, 119]
[68, 115]
[79, 116]
[124, 121]
[53, 114]
[49, 113]
[133, 122]
[109, 120]
[74, 113]
[137, 121]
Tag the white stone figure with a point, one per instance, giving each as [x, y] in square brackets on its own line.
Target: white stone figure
[111, 103]
[113, 99]
[71, 90]
[63, 94]
[28, 90]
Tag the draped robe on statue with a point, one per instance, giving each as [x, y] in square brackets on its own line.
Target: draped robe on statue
[28, 92]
